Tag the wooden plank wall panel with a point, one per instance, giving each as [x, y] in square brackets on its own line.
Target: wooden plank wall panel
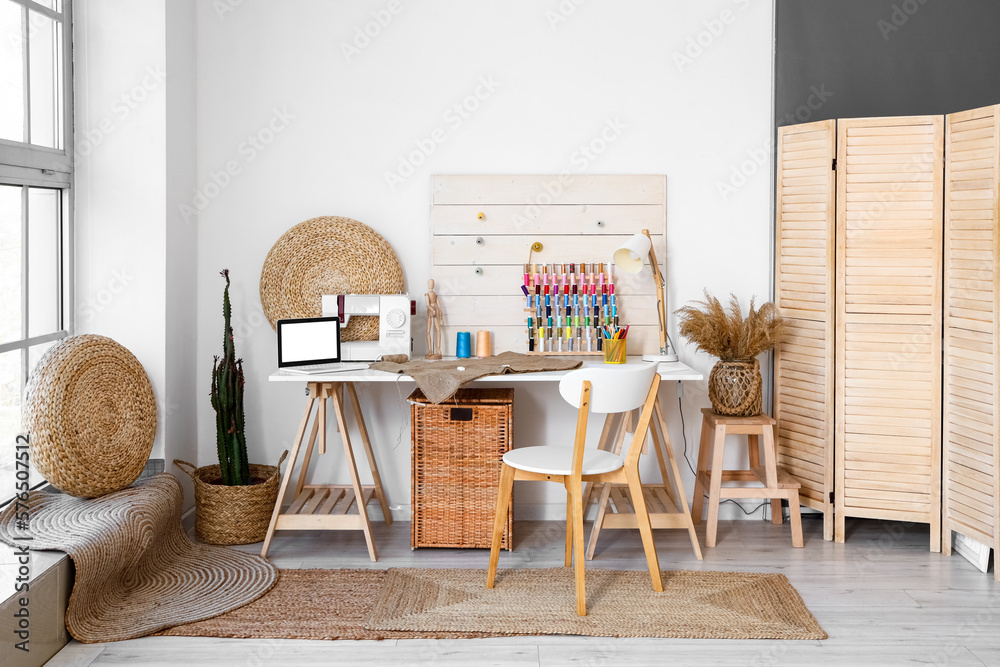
[478, 263]
[971, 391]
[889, 320]
[804, 292]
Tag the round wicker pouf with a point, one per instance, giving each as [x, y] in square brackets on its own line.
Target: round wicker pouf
[328, 255]
[734, 388]
[90, 416]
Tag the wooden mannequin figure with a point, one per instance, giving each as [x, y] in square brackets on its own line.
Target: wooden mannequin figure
[434, 319]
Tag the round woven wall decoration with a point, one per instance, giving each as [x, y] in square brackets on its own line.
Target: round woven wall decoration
[328, 255]
[90, 416]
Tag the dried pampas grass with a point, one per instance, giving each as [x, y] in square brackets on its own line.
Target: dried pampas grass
[726, 334]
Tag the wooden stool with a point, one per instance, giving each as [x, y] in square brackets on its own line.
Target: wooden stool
[777, 482]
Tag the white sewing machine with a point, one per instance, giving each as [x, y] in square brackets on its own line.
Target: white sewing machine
[394, 312]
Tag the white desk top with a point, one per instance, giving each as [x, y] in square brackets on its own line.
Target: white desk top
[668, 371]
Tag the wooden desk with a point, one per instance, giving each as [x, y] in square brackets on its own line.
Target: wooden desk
[344, 506]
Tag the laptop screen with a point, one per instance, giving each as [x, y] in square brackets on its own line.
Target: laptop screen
[306, 341]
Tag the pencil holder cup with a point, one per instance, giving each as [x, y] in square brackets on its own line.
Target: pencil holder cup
[614, 351]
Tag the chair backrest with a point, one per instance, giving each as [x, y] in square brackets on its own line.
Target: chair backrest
[613, 388]
[610, 390]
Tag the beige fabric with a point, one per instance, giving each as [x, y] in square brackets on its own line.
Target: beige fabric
[439, 380]
[136, 570]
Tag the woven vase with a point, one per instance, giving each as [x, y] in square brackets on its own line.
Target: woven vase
[228, 515]
[734, 387]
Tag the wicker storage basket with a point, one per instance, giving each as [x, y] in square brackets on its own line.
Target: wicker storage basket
[734, 388]
[457, 449]
[233, 514]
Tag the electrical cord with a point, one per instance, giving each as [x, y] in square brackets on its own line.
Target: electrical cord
[680, 408]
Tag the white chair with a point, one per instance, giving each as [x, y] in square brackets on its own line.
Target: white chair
[601, 390]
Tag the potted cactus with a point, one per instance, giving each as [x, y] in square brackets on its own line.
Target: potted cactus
[227, 399]
[234, 499]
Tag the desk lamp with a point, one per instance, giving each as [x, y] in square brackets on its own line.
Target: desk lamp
[629, 258]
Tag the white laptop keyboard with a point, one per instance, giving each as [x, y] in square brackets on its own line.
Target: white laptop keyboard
[314, 369]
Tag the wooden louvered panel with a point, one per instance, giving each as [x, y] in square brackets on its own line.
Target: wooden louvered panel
[804, 292]
[971, 393]
[888, 315]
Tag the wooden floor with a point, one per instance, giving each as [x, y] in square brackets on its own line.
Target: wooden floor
[883, 598]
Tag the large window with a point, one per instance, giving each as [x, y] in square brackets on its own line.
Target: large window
[36, 172]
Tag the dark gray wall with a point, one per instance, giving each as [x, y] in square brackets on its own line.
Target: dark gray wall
[853, 58]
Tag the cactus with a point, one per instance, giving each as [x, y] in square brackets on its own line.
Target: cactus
[227, 399]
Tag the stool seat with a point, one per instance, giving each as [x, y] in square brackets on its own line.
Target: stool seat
[775, 482]
[555, 460]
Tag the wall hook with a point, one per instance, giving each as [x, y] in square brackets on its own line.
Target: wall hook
[479, 270]
[536, 247]
[600, 223]
[481, 215]
[479, 240]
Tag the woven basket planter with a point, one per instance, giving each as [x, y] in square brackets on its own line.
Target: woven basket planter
[734, 387]
[230, 515]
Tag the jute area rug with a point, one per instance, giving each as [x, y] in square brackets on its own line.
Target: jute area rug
[402, 603]
[136, 570]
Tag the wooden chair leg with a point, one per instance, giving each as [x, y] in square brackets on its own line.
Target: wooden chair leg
[576, 493]
[771, 472]
[715, 489]
[569, 528]
[645, 529]
[795, 515]
[704, 447]
[500, 520]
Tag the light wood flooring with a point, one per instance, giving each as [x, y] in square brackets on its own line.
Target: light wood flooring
[883, 598]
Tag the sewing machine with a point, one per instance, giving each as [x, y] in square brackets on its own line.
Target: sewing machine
[394, 312]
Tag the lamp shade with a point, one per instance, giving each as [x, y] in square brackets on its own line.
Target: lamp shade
[629, 256]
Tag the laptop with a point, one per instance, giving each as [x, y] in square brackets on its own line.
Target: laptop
[311, 345]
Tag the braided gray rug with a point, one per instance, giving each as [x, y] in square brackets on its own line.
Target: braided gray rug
[136, 570]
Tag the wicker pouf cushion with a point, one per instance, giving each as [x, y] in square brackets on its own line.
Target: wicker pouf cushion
[328, 255]
[90, 415]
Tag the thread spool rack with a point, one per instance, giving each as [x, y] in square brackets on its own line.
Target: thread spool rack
[566, 306]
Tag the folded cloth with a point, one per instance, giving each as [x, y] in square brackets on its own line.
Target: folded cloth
[439, 380]
[136, 570]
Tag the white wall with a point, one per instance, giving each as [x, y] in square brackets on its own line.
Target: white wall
[135, 124]
[120, 153]
[340, 126]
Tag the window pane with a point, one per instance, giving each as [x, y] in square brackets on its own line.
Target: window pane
[12, 69]
[10, 263]
[10, 416]
[45, 68]
[43, 261]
